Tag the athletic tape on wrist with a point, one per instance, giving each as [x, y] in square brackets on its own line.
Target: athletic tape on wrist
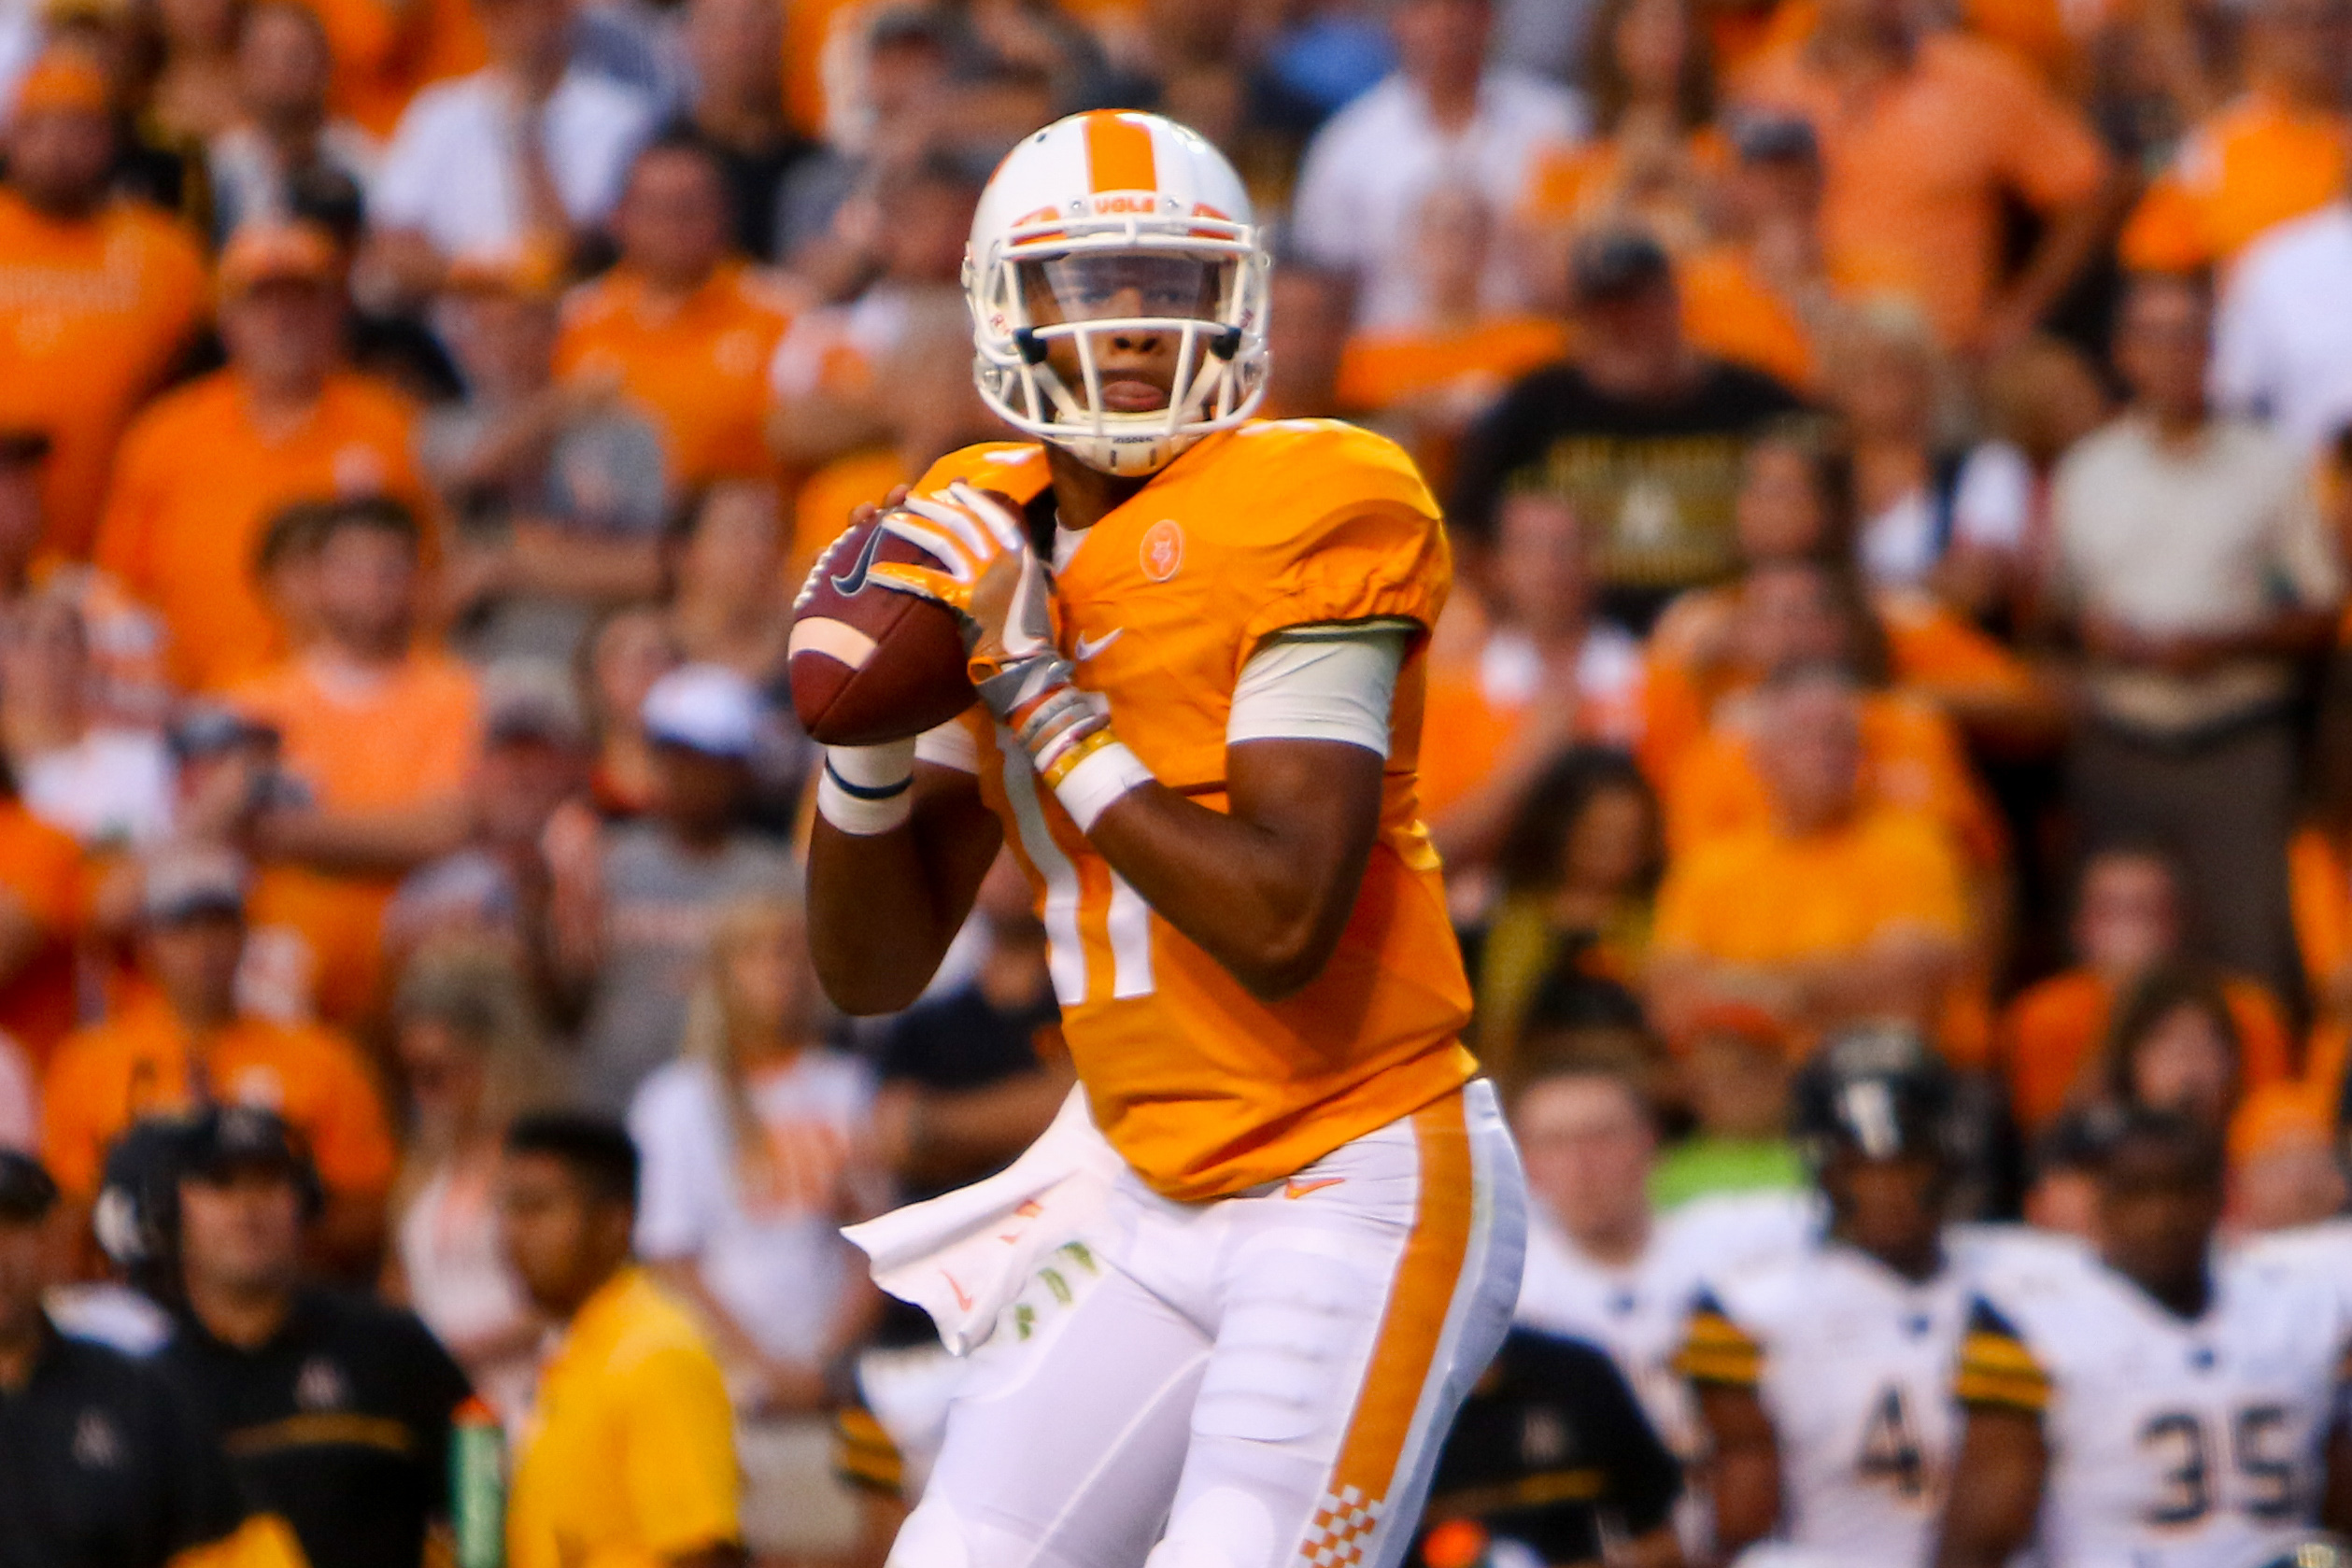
[867, 790]
[1100, 777]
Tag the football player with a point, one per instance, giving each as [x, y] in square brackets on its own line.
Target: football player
[1200, 646]
[1823, 1375]
[2159, 1405]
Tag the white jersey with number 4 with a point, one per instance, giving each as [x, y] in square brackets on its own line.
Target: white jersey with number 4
[2173, 1442]
[1852, 1364]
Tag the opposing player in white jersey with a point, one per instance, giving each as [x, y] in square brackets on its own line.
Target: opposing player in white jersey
[2162, 1404]
[1603, 1267]
[1825, 1375]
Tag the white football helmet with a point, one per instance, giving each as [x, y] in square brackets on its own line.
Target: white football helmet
[1116, 207]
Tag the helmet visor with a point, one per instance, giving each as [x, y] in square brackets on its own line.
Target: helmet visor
[1111, 286]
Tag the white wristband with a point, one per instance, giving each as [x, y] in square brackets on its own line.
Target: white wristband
[1088, 790]
[867, 790]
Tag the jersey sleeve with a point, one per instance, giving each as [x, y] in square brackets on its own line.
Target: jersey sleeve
[1379, 556]
[1996, 1369]
[1717, 1350]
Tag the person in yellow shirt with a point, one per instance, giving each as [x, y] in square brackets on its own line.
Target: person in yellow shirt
[629, 1457]
[96, 296]
[203, 471]
[685, 325]
[1832, 911]
[188, 1042]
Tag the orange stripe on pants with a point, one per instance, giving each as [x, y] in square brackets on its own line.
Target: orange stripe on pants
[1119, 153]
[1420, 1300]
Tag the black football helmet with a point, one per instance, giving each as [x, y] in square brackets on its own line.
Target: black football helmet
[1877, 1090]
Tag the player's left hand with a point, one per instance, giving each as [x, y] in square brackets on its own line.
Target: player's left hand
[991, 579]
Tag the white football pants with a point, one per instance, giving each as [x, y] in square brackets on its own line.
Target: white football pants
[1259, 1381]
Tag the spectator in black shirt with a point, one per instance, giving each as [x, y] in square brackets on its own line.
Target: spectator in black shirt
[334, 1409]
[102, 1464]
[1552, 1455]
[1640, 431]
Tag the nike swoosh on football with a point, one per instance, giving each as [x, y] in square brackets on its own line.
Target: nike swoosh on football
[1088, 647]
[1294, 1188]
[850, 581]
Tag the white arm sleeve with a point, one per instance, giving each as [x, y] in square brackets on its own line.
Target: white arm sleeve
[950, 746]
[1333, 682]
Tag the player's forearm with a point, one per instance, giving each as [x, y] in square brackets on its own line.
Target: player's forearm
[885, 905]
[1267, 902]
[1996, 1490]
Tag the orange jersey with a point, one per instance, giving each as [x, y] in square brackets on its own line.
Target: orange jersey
[2256, 162]
[91, 313]
[1731, 311]
[1204, 1088]
[1760, 896]
[197, 483]
[357, 743]
[144, 1062]
[2320, 880]
[2053, 1033]
[1912, 759]
[698, 367]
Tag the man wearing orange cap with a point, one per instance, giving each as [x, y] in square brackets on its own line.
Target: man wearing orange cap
[204, 470]
[96, 296]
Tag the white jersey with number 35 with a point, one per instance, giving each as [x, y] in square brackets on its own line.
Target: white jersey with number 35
[2175, 1443]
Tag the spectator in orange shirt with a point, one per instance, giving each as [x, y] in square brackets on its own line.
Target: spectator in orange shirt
[1923, 135]
[1652, 159]
[191, 1043]
[686, 325]
[1832, 910]
[1795, 508]
[2279, 149]
[2127, 925]
[1796, 612]
[44, 903]
[379, 734]
[1550, 672]
[1761, 295]
[2175, 1047]
[204, 470]
[97, 296]
[1428, 378]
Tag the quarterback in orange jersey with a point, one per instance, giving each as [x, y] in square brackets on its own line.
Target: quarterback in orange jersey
[1200, 646]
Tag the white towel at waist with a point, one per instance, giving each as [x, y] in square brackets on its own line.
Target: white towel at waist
[964, 1255]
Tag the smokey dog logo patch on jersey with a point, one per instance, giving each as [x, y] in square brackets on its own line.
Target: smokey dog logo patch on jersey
[1162, 552]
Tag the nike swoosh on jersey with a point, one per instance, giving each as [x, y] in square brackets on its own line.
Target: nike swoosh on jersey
[1088, 647]
[1294, 1188]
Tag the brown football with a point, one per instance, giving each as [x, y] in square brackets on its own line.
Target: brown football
[870, 664]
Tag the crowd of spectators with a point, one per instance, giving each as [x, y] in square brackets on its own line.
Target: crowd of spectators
[1898, 458]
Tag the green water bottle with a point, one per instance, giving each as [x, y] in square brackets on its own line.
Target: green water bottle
[477, 1486]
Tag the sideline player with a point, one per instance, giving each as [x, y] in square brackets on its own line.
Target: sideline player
[1200, 648]
[2161, 1406]
[1823, 1375]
